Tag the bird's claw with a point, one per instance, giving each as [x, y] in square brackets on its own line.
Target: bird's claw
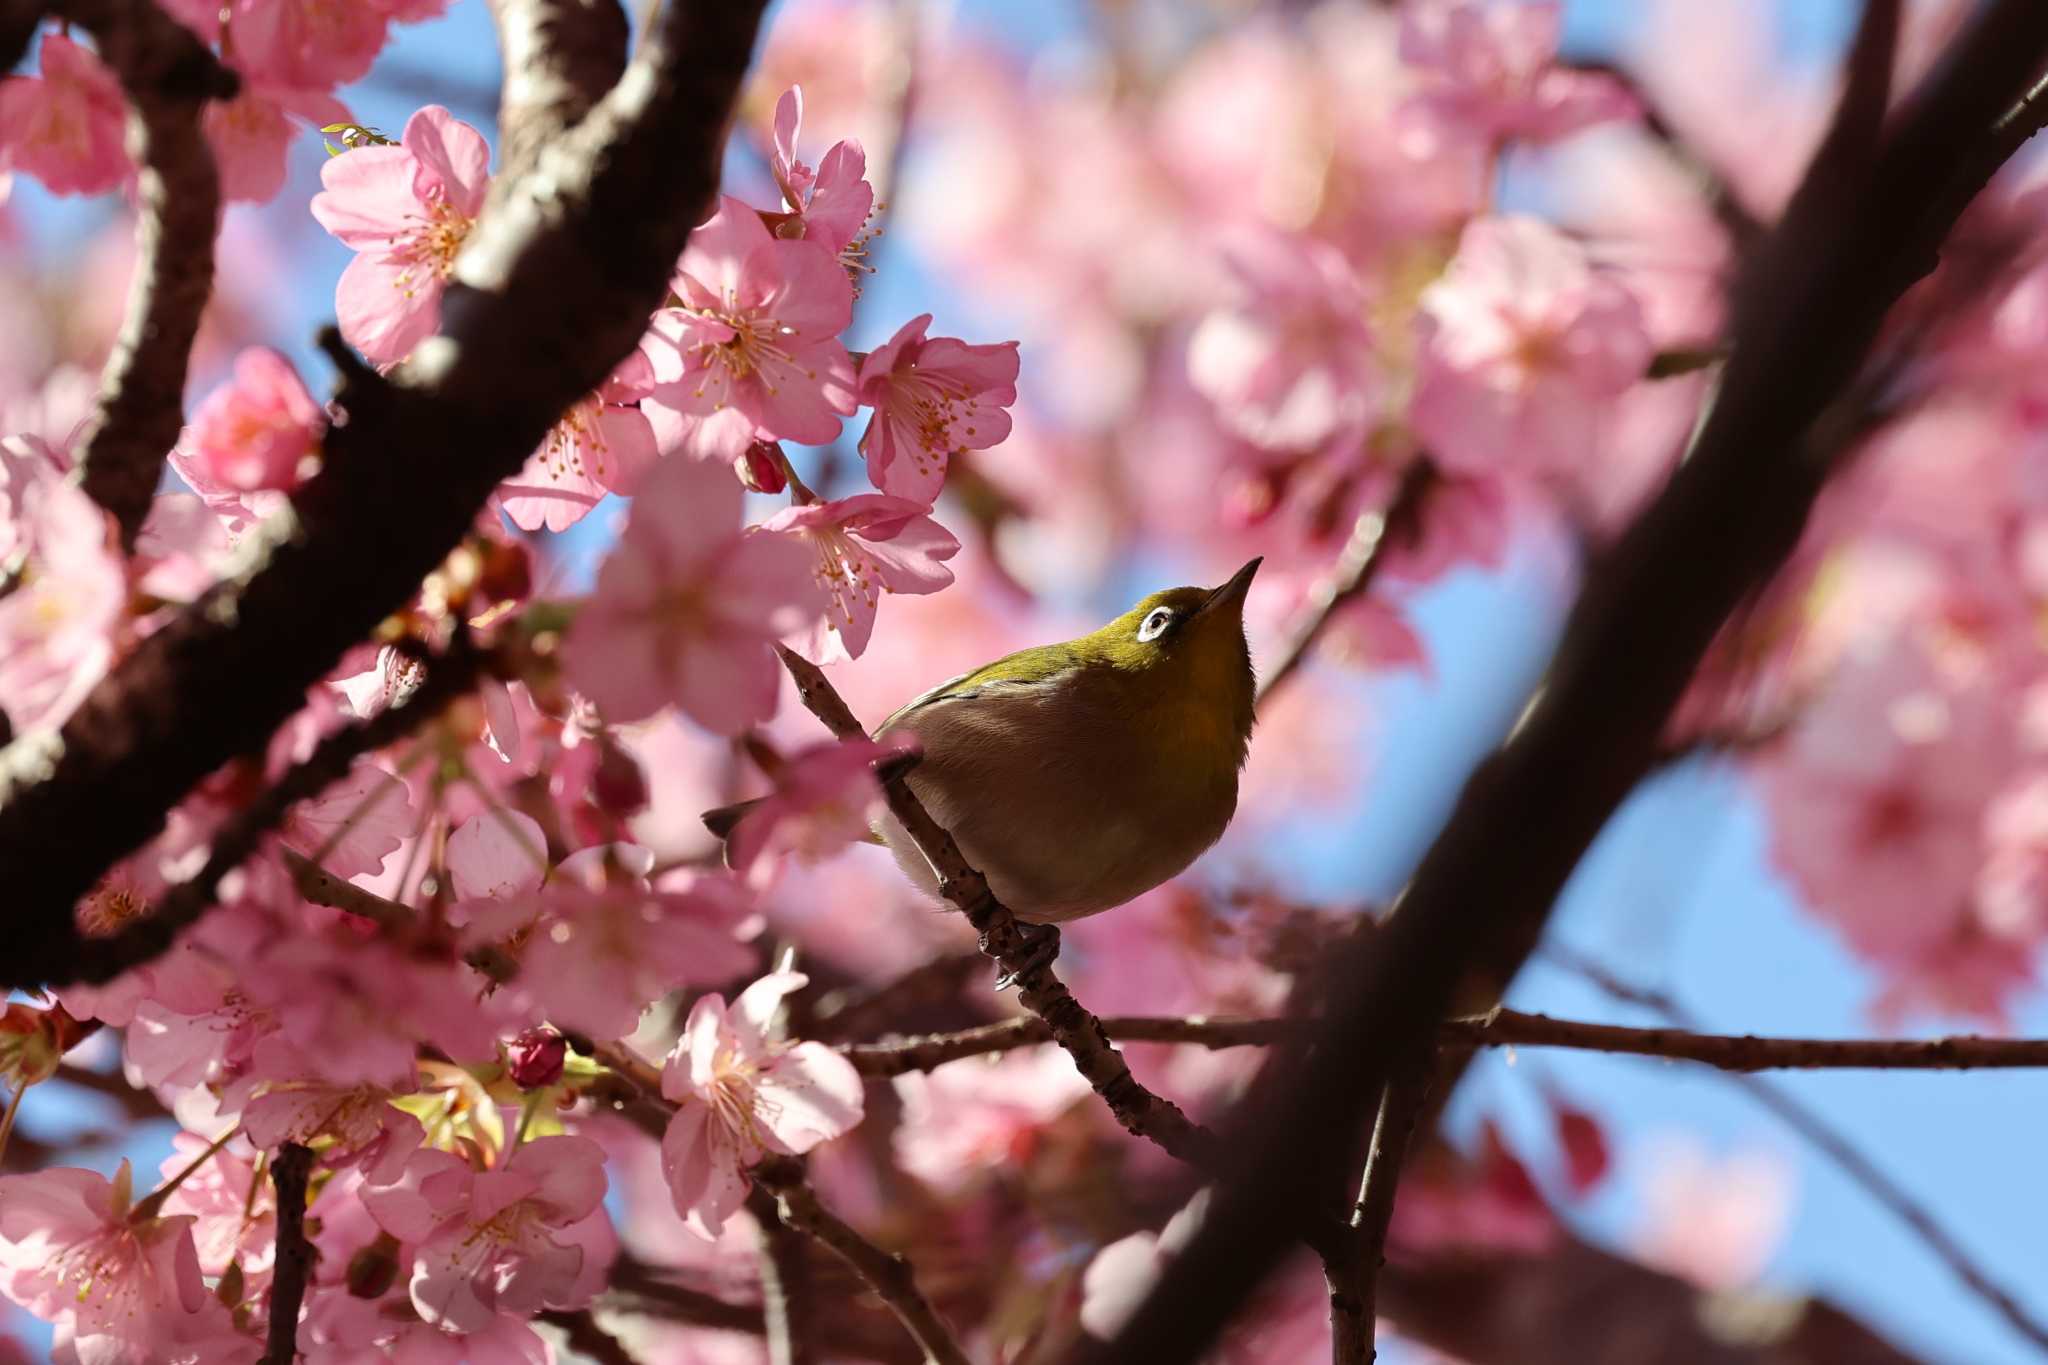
[1041, 947]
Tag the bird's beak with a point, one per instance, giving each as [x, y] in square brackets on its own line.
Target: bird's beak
[1231, 594]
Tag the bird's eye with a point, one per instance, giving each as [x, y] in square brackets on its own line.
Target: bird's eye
[1155, 624]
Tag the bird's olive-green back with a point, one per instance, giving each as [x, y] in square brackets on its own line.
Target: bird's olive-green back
[1193, 684]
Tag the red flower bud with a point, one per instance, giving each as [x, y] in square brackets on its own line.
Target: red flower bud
[536, 1057]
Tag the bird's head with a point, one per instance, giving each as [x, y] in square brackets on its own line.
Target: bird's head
[1186, 647]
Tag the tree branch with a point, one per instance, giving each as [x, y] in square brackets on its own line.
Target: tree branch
[1354, 1302]
[1837, 1147]
[1810, 306]
[552, 290]
[1500, 1027]
[1364, 555]
[168, 75]
[1142, 1113]
[559, 57]
[447, 677]
[897, 1056]
[587, 1337]
[887, 1275]
[290, 1170]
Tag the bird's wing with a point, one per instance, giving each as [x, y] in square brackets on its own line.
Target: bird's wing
[1025, 669]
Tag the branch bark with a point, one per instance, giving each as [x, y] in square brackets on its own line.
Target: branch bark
[290, 1171]
[559, 57]
[553, 289]
[168, 75]
[1857, 233]
[889, 1276]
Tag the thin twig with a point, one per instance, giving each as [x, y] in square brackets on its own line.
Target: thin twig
[448, 676]
[1080, 1033]
[897, 1056]
[1358, 564]
[168, 76]
[1352, 1321]
[853, 1013]
[290, 1171]
[1499, 1028]
[1831, 1142]
[322, 887]
[889, 1276]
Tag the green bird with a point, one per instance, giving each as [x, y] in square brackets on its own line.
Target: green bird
[1078, 776]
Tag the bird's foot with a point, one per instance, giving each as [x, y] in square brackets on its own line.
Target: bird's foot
[1041, 947]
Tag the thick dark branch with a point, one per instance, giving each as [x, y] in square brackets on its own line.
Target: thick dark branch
[290, 1170]
[1080, 1033]
[1363, 556]
[560, 56]
[553, 289]
[587, 1338]
[1806, 317]
[887, 1275]
[169, 75]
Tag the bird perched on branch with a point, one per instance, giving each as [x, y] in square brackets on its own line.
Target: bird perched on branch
[1078, 776]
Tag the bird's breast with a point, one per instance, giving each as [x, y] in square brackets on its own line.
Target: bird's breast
[1068, 803]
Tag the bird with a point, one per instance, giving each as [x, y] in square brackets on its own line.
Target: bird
[1077, 776]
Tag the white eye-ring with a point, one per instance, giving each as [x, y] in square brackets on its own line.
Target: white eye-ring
[1155, 624]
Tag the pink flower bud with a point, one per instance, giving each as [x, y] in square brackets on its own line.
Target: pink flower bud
[760, 468]
[536, 1058]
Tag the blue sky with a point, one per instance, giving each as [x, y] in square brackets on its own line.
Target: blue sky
[1678, 893]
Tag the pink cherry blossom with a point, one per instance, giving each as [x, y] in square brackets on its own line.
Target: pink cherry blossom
[1290, 366]
[828, 205]
[1123, 1272]
[251, 133]
[259, 431]
[353, 826]
[825, 797]
[933, 399]
[1522, 344]
[309, 43]
[73, 1250]
[66, 127]
[866, 545]
[977, 1115]
[406, 211]
[1493, 71]
[598, 944]
[753, 352]
[603, 444]
[687, 606]
[230, 1201]
[1713, 1219]
[56, 626]
[743, 1093]
[497, 854]
[490, 1242]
